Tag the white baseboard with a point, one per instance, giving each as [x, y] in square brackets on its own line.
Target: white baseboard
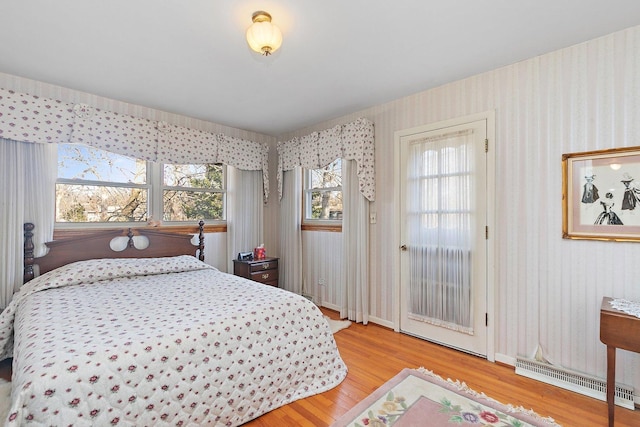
[507, 360]
[372, 319]
[381, 322]
[330, 306]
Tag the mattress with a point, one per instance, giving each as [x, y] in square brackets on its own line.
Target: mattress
[160, 341]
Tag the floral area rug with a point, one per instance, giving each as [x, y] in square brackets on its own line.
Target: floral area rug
[421, 398]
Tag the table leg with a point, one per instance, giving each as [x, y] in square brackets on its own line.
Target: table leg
[611, 382]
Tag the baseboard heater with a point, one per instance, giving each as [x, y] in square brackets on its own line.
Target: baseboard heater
[574, 381]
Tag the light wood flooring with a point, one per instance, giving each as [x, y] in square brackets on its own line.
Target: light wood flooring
[375, 354]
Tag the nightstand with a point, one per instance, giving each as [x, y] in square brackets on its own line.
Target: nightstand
[259, 270]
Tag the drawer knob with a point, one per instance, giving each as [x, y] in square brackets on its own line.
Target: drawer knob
[265, 266]
[265, 276]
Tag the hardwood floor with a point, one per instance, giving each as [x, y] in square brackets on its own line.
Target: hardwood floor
[375, 354]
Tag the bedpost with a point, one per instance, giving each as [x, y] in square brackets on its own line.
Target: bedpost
[28, 252]
[201, 240]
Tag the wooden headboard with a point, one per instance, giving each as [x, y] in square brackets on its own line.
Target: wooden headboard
[96, 244]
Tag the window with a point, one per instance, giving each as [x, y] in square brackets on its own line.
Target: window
[323, 193]
[192, 192]
[96, 186]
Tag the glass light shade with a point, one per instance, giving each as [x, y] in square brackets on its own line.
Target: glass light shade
[263, 36]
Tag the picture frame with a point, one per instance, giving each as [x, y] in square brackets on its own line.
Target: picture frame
[245, 256]
[601, 195]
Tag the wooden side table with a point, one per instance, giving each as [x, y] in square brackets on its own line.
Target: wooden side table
[259, 270]
[617, 330]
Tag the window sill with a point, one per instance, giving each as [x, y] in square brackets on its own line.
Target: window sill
[62, 233]
[334, 228]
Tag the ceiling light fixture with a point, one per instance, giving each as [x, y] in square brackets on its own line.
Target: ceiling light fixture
[262, 35]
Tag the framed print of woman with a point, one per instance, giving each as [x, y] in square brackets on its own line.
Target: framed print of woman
[607, 216]
[631, 194]
[590, 192]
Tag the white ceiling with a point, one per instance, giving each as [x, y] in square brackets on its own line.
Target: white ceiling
[190, 57]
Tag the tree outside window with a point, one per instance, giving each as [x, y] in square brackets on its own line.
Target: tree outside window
[193, 192]
[96, 186]
[323, 192]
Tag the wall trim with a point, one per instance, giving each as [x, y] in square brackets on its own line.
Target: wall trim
[505, 359]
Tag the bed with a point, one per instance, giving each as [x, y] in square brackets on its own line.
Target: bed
[156, 337]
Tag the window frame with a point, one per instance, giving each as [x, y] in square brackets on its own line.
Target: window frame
[317, 224]
[157, 201]
[154, 185]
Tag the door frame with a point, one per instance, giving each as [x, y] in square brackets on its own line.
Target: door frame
[489, 117]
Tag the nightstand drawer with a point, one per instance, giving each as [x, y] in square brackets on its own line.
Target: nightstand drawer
[265, 276]
[257, 266]
[260, 270]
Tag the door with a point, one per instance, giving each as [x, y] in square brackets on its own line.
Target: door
[443, 216]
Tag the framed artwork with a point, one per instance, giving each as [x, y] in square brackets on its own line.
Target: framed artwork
[601, 195]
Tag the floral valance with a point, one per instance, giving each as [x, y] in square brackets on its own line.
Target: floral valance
[351, 141]
[29, 118]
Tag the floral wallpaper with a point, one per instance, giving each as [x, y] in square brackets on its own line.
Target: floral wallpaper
[351, 141]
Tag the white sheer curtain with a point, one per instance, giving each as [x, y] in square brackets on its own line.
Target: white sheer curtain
[355, 238]
[290, 231]
[245, 206]
[440, 235]
[28, 174]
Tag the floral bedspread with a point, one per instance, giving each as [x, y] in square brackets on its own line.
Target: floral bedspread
[164, 341]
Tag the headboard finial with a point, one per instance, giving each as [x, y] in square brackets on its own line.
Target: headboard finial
[201, 240]
[28, 251]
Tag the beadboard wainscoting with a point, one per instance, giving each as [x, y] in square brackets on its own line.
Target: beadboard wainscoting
[322, 267]
[215, 251]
